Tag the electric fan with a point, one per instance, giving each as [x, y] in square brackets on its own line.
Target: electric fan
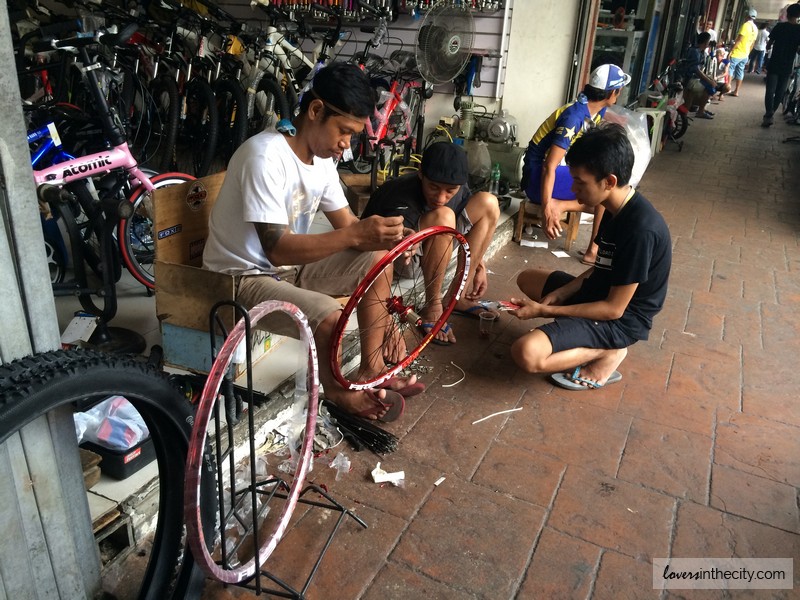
[444, 42]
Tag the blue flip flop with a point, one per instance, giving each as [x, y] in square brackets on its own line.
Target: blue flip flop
[578, 384]
[473, 312]
[425, 329]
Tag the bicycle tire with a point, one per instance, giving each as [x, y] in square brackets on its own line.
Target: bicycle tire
[33, 386]
[198, 131]
[307, 380]
[164, 112]
[681, 125]
[232, 110]
[56, 261]
[136, 237]
[270, 107]
[790, 97]
[402, 307]
[361, 162]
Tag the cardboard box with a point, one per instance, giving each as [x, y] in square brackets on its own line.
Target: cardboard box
[185, 292]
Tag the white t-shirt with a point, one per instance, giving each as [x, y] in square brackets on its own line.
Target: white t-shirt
[761, 40]
[266, 183]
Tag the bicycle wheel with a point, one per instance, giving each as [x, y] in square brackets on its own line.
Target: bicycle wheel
[198, 130]
[32, 386]
[231, 107]
[249, 525]
[790, 98]
[681, 125]
[137, 244]
[362, 161]
[163, 111]
[269, 107]
[56, 261]
[398, 293]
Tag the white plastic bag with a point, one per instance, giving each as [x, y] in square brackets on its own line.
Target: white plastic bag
[113, 424]
[635, 124]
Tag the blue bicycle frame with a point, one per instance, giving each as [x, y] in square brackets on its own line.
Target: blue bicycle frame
[51, 141]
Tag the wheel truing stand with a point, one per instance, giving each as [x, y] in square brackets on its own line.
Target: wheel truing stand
[238, 557]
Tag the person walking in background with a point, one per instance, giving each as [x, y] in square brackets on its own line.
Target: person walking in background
[545, 177]
[741, 50]
[783, 43]
[759, 50]
[712, 32]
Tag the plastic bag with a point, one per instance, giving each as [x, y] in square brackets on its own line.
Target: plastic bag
[479, 161]
[113, 424]
[635, 124]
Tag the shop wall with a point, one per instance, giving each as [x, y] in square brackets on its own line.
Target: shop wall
[539, 58]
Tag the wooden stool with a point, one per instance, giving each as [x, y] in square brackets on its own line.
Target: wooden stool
[533, 216]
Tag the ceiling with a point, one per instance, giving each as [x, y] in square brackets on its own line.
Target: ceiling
[768, 9]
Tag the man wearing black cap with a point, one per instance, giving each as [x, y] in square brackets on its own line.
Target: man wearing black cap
[439, 195]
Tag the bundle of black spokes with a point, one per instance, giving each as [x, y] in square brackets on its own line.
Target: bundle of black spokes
[361, 433]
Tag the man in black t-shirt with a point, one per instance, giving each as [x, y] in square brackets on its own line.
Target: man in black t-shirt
[784, 41]
[438, 195]
[611, 306]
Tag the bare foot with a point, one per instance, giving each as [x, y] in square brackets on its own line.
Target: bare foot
[394, 347]
[356, 402]
[598, 371]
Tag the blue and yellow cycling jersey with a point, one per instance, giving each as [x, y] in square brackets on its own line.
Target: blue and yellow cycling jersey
[561, 128]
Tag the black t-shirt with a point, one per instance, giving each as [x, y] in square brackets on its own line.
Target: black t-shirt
[785, 38]
[634, 247]
[403, 196]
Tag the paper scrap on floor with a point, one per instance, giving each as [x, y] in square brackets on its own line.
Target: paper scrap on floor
[560, 254]
[533, 244]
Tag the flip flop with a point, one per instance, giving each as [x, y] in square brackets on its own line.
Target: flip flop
[425, 329]
[589, 263]
[473, 312]
[394, 402]
[407, 391]
[576, 384]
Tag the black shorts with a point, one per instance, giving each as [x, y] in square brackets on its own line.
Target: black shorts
[566, 333]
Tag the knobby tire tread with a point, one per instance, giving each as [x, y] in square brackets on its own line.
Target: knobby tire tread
[32, 386]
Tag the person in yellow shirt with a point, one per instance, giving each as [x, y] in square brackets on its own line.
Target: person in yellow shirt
[741, 50]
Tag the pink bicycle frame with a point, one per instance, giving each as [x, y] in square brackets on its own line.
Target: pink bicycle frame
[99, 163]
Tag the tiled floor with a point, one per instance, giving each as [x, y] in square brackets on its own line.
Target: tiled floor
[696, 453]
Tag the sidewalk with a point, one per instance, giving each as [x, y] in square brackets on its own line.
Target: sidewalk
[694, 454]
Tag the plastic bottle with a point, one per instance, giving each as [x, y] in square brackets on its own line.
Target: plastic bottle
[494, 180]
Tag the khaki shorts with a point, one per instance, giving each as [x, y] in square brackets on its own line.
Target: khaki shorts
[309, 287]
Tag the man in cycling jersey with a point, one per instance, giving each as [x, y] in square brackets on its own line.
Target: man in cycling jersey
[610, 306]
[439, 195]
[260, 231]
[545, 177]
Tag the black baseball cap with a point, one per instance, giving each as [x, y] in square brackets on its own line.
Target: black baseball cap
[445, 162]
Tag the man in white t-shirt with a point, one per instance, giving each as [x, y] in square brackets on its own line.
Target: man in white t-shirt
[260, 231]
